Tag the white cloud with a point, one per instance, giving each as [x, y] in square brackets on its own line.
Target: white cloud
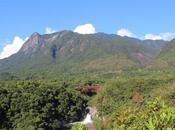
[12, 48]
[49, 30]
[162, 36]
[152, 37]
[85, 29]
[125, 32]
[168, 36]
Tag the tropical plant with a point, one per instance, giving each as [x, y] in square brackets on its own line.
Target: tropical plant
[79, 126]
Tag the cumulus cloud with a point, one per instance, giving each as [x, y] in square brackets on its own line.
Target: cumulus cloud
[85, 29]
[90, 29]
[12, 48]
[162, 36]
[49, 30]
[167, 36]
[125, 32]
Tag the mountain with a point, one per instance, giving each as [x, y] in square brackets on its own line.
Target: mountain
[68, 52]
[166, 58]
[157, 44]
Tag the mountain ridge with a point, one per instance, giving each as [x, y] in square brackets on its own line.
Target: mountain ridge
[70, 52]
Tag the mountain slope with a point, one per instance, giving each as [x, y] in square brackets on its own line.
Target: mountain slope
[69, 52]
[166, 58]
[157, 44]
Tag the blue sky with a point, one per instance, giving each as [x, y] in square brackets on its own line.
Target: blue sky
[139, 17]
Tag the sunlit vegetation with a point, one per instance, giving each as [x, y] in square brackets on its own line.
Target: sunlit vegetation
[78, 126]
[152, 115]
[142, 102]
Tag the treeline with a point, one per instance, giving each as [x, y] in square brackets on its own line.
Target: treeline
[31, 105]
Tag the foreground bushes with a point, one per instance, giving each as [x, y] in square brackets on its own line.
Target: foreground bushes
[153, 115]
[127, 104]
[38, 105]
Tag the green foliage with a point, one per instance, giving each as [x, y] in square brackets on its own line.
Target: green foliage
[160, 116]
[7, 76]
[120, 90]
[79, 126]
[154, 115]
[37, 104]
[118, 109]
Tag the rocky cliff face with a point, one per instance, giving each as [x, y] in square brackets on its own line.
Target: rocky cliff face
[33, 43]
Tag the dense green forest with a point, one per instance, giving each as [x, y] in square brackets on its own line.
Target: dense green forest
[131, 100]
[31, 105]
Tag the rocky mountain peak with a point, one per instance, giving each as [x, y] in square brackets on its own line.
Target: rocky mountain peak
[33, 43]
[35, 34]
